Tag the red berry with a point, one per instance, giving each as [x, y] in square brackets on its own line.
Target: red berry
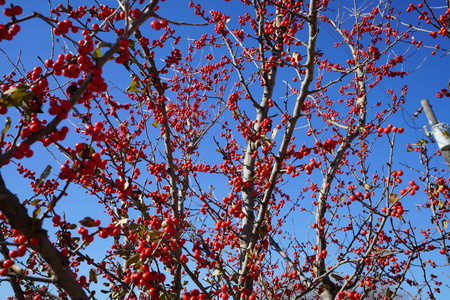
[155, 25]
[8, 263]
[163, 23]
[8, 12]
[17, 10]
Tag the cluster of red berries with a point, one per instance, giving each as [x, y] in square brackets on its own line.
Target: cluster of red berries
[146, 278]
[88, 238]
[65, 66]
[194, 295]
[5, 32]
[8, 33]
[390, 129]
[13, 11]
[21, 250]
[60, 109]
[84, 168]
[124, 52]
[62, 27]
[413, 187]
[157, 25]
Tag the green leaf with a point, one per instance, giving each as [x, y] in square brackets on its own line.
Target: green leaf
[97, 53]
[154, 233]
[18, 88]
[36, 212]
[132, 45]
[420, 142]
[115, 294]
[132, 260]
[134, 87]
[88, 222]
[17, 96]
[133, 226]
[249, 253]
[44, 175]
[389, 293]
[35, 202]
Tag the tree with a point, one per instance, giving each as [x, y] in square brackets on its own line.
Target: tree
[250, 154]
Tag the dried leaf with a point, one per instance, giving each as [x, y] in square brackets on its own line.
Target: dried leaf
[5, 129]
[360, 101]
[88, 222]
[123, 221]
[444, 224]
[336, 277]
[296, 56]
[217, 272]
[72, 226]
[234, 278]
[155, 123]
[393, 198]
[93, 275]
[274, 133]
[368, 187]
